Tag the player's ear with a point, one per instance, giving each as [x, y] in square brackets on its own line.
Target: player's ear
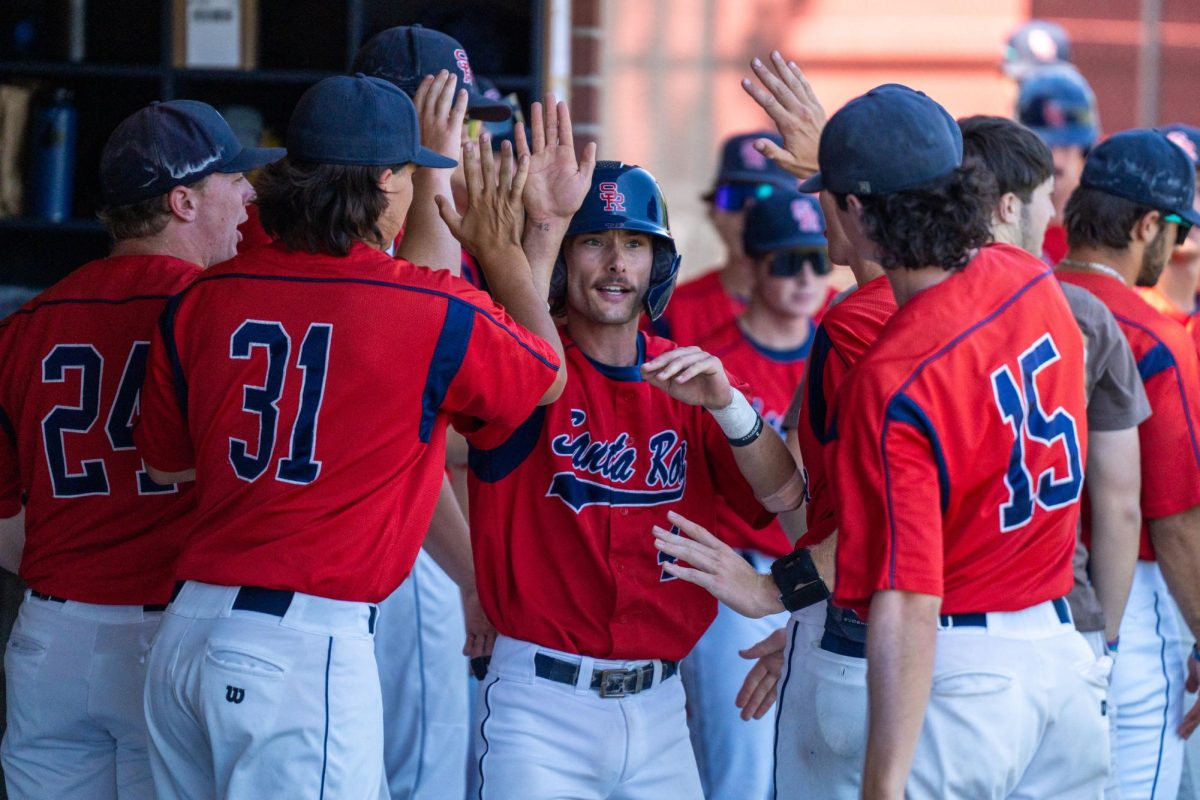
[182, 202]
[384, 177]
[1008, 208]
[1146, 227]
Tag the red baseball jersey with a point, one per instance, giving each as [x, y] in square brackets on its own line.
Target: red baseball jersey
[773, 376]
[698, 308]
[1054, 245]
[97, 529]
[561, 514]
[1167, 361]
[311, 394]
[844, 335]
[960, 441]
[1163, 305]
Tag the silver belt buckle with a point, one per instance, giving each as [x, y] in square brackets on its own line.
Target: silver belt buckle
[612, 682]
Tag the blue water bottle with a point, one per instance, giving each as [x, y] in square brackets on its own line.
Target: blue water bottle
[52, 177]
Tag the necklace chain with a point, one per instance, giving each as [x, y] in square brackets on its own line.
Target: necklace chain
[1103, 268]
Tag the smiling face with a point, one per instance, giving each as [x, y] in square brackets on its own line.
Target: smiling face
[608, 273]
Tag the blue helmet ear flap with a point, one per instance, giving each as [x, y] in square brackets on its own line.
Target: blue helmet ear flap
[662, 281]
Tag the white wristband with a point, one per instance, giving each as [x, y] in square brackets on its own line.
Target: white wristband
[737, 419]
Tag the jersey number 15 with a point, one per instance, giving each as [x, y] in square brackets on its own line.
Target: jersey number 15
[299, 466]
[1023, 411]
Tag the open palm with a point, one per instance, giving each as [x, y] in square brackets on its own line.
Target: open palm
[558, 181]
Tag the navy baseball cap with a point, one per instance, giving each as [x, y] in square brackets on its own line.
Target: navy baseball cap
[1186, 137]
[406, 54]
[1057, 103]
[358, 120]
[1143, 166]
[174, 143]
[784, 221]
[891, 139]
[741, 163]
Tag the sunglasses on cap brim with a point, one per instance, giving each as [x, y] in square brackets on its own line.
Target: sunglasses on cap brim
[1181, 233]
[736, 196]
[790, 263]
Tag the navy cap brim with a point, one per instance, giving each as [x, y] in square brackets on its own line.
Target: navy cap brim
[811, 185]
[480, 108]
[1191, 215]
[427, 158]
[252, 158]
[751, 176]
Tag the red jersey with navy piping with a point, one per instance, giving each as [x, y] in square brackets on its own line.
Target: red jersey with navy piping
[960, 442]
[311, 393]
[97, 529]
[697, 309]
[845, 333]
[1167, 361]
[773, 376]
[1163, 305]
[561, 514]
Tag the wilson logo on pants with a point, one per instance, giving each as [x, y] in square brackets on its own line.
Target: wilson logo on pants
[234, 695]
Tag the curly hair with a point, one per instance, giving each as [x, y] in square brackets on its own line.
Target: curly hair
[934, 226]
[321, 208]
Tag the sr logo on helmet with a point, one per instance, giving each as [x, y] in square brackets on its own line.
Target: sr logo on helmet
[612, 197]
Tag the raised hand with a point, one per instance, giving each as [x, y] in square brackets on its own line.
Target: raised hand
[790, 102]
[717, 568]
[758, 693]
[494, 217]
[440, 112]
[558, 181]
[691, 375]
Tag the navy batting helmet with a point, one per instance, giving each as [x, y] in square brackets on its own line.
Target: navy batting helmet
[625, 197]
[1035, 44]
[1057, 103]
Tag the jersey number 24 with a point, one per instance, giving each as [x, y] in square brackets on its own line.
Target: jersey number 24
[1021, 408]
[92, 479]
[299, 466]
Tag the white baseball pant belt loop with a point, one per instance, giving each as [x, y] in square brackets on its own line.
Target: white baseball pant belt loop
[296, 610]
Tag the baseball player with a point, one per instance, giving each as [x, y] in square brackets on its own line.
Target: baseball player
[1121, 225]
[708, 303]
[417, 642]
[317, 478]
[768, 346]
[1175, 295]
[100, 534]
[1116, 399]
[581, 698]
[1058, 104]
[931, 475]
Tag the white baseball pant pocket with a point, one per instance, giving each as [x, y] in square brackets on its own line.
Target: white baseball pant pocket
[74, 674]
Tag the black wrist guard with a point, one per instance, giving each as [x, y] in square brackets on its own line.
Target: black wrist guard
[800, 585]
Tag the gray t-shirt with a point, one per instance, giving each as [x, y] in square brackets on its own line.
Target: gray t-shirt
[1116, 400]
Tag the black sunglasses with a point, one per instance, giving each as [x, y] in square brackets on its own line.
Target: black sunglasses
[1181, 233]
[790, 263]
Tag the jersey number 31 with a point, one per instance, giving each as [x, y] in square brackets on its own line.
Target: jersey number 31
[299, 466]
[1023, 411]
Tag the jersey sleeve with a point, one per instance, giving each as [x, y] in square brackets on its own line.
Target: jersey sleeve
[501, 373]
[1170, 436]
[886, 480]
[161, 431]
[10, 472]
[724, 472]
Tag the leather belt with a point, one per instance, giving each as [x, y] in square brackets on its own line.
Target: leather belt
[52, 599]
[608, 682]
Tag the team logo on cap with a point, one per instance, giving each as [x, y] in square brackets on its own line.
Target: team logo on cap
[1185, 144]
[751, 157]
[612, 197]
[1053, 114]
[806, 217]
[460, 58]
